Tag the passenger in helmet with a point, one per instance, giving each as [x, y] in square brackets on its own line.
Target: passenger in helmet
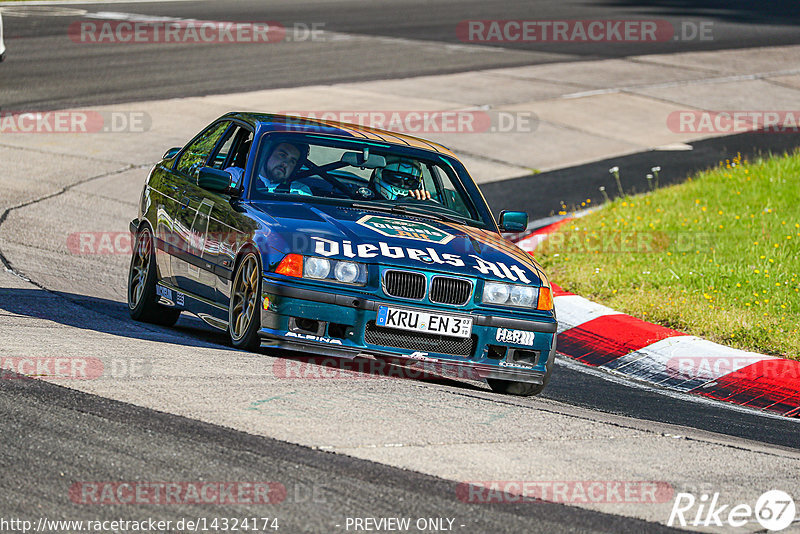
[401, 177]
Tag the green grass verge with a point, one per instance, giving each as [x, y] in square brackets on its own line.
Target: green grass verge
[717, 256]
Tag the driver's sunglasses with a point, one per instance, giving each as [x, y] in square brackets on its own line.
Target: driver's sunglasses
[402, 179]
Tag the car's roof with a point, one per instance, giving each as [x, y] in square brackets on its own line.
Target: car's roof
[304, 125]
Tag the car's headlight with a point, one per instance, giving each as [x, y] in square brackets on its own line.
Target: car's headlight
[522, 296]
[494, 293]
[346, 271]
[316, 268]
[517, 295]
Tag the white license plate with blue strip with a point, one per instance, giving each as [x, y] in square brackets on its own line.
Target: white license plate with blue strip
[423, 321]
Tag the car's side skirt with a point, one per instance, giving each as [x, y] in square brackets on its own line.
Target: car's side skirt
[211, 313]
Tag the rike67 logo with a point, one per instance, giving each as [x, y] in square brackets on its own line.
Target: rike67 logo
[773, 510]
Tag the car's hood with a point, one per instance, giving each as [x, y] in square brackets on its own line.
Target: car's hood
[390, 239]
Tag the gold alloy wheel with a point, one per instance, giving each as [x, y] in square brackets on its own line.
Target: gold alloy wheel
[244, 297]
[139, 266]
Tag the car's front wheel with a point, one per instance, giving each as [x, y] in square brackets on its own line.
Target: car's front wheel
[523, 389]
[142, 298]
[244, 318]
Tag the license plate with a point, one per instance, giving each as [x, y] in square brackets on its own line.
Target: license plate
[421, 321]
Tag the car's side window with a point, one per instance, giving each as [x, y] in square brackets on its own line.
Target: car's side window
[219, 159]
[197, 153]
[239, 158]
[439, 182]
[234, 149]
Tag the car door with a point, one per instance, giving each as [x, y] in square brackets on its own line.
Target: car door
[229, 227]
[161, 204]
[186, 241]
[209, 250]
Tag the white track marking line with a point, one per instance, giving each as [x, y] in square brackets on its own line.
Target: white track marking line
[91, 2]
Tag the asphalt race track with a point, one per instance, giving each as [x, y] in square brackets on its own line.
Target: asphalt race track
[415, 38]
[182, 406]
[133, 443]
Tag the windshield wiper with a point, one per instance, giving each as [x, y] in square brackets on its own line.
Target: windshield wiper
[406, 210]
[373, 207]
[419, 210]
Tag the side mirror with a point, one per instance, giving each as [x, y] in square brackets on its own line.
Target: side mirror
[513, 221]
[215, 180]
[172, 152]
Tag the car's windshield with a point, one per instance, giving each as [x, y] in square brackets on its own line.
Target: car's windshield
[366, 176]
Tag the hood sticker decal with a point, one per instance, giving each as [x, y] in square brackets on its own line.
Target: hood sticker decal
[405, 229]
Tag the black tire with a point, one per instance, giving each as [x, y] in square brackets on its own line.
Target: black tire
[244, 310]
[142, 298]
[524, 389]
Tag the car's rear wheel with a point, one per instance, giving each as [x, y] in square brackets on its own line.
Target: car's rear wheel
[524, 389]
[142, 297]
[244, 318]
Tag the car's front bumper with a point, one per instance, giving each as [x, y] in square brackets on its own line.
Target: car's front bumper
[340, 325]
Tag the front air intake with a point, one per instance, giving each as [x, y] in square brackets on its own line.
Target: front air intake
[447, 290]
[405, 285]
